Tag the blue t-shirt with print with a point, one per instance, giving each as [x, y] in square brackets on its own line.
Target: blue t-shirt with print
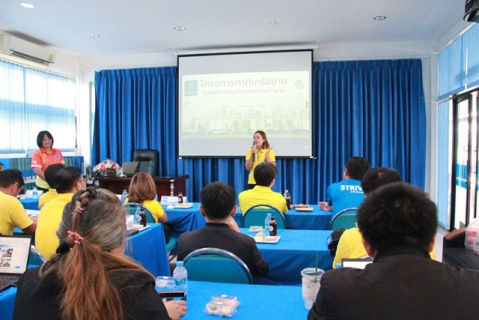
[345, 194]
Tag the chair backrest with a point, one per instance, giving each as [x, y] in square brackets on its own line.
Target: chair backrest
[36, 258]
[345, 218]
[132, 206]
[148, 161]
[255, 216]
[216, 265]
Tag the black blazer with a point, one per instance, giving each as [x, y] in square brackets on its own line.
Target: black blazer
[401, 283]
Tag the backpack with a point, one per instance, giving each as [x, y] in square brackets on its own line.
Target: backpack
[333, 240]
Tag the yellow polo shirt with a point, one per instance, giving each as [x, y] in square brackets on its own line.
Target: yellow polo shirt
[261, 195]
[258, 160]
[51, 194]
[154, 207]
[12, 214]
[48, 221]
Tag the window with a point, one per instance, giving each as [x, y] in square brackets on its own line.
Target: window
[32, 101]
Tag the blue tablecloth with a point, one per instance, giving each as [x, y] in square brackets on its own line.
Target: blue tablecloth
[256, 301]
[296, 250]
[184, 220]
[149, 249]
[301, 220]
[30, 203]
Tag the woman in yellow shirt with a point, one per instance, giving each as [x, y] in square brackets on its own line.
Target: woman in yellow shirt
[259, 152]
[142, 190]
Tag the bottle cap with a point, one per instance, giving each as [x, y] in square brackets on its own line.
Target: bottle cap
[179, 263]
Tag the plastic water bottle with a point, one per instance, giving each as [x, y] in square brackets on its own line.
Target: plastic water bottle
[35, 193]
[137, 217]
[180, 275]
[267, 226]
[124, 195]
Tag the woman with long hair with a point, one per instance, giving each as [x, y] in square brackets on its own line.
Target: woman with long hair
[90, 277]
[142, 190]
[261, 151]
[43, 157]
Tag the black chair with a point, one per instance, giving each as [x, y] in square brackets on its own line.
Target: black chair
[148, 161]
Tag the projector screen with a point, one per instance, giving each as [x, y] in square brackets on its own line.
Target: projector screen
[224, 98]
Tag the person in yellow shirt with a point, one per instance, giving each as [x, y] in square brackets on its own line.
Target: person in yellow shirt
[67, 181]
[50, 172]
[265, 175]
[350, 244]
[142, 190]
[260, 152]
[12, 213]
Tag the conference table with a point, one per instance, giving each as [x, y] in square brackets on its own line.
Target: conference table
[256, 301]
[29, 203]
[295, 251]
[184, 219]
[301, 220]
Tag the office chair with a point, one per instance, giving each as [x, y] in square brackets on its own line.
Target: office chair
[132, 206]
[345, 218]
[148, 161]
[216, 265]
[255, 216]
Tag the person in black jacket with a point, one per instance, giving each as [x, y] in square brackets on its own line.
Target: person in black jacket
[218, 208]
[398, 225]
[90, 277]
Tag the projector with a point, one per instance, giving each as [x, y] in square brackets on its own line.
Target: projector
[471, 11]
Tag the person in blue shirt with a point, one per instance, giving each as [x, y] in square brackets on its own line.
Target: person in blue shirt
[347, 193]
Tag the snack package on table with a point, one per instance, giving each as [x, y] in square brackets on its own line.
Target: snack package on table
[223, 305]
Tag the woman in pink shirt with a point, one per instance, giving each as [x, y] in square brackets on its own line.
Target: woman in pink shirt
[44, 157]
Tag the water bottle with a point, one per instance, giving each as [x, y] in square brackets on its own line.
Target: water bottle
[287, 196]
[267, 221]
[137, 217]
[35, 193]
[124, 195]
[142, 217]
[180, 275]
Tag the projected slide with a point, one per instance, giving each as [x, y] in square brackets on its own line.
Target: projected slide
[220, 111]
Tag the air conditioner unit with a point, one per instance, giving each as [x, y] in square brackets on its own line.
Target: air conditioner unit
[23, 49]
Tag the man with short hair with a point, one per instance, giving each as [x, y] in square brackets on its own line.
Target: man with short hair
[347, 193]
[50, 172]
[218, 208]
[68, 180]
[398, 224]
[265, 177]
[12, 213]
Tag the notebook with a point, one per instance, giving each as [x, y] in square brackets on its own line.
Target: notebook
[14, 254]
[130, 168]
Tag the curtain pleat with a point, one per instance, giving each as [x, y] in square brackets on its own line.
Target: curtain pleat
[373, 109]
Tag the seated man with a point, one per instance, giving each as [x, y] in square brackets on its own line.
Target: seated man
[350, 244]
[264, 175]
[398, 224]
[12, 213]
[347, 193]
[67, 181]
[50, 172]
[218, 208]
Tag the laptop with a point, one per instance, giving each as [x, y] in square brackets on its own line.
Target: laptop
[355, 263]
[130, 168]
[14, 254]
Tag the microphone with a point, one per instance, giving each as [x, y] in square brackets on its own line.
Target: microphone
[252, 154]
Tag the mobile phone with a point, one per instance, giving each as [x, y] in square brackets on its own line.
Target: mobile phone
[172, 295]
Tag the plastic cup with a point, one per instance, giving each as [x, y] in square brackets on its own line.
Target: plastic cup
[311, 282]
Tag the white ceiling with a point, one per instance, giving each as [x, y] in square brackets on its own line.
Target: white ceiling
[146, 26]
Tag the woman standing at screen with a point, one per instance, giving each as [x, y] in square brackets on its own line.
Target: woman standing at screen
[259, 152]
[43, 157]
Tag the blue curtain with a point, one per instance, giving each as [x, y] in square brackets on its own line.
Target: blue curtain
[373, 109]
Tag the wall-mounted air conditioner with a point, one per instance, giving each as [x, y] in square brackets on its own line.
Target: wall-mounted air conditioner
[23, 49]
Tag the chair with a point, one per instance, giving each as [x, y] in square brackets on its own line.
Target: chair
[216, 265]
[255, 216]
[132, 206]
[35, 257]
[345, 218]
[148, 161]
